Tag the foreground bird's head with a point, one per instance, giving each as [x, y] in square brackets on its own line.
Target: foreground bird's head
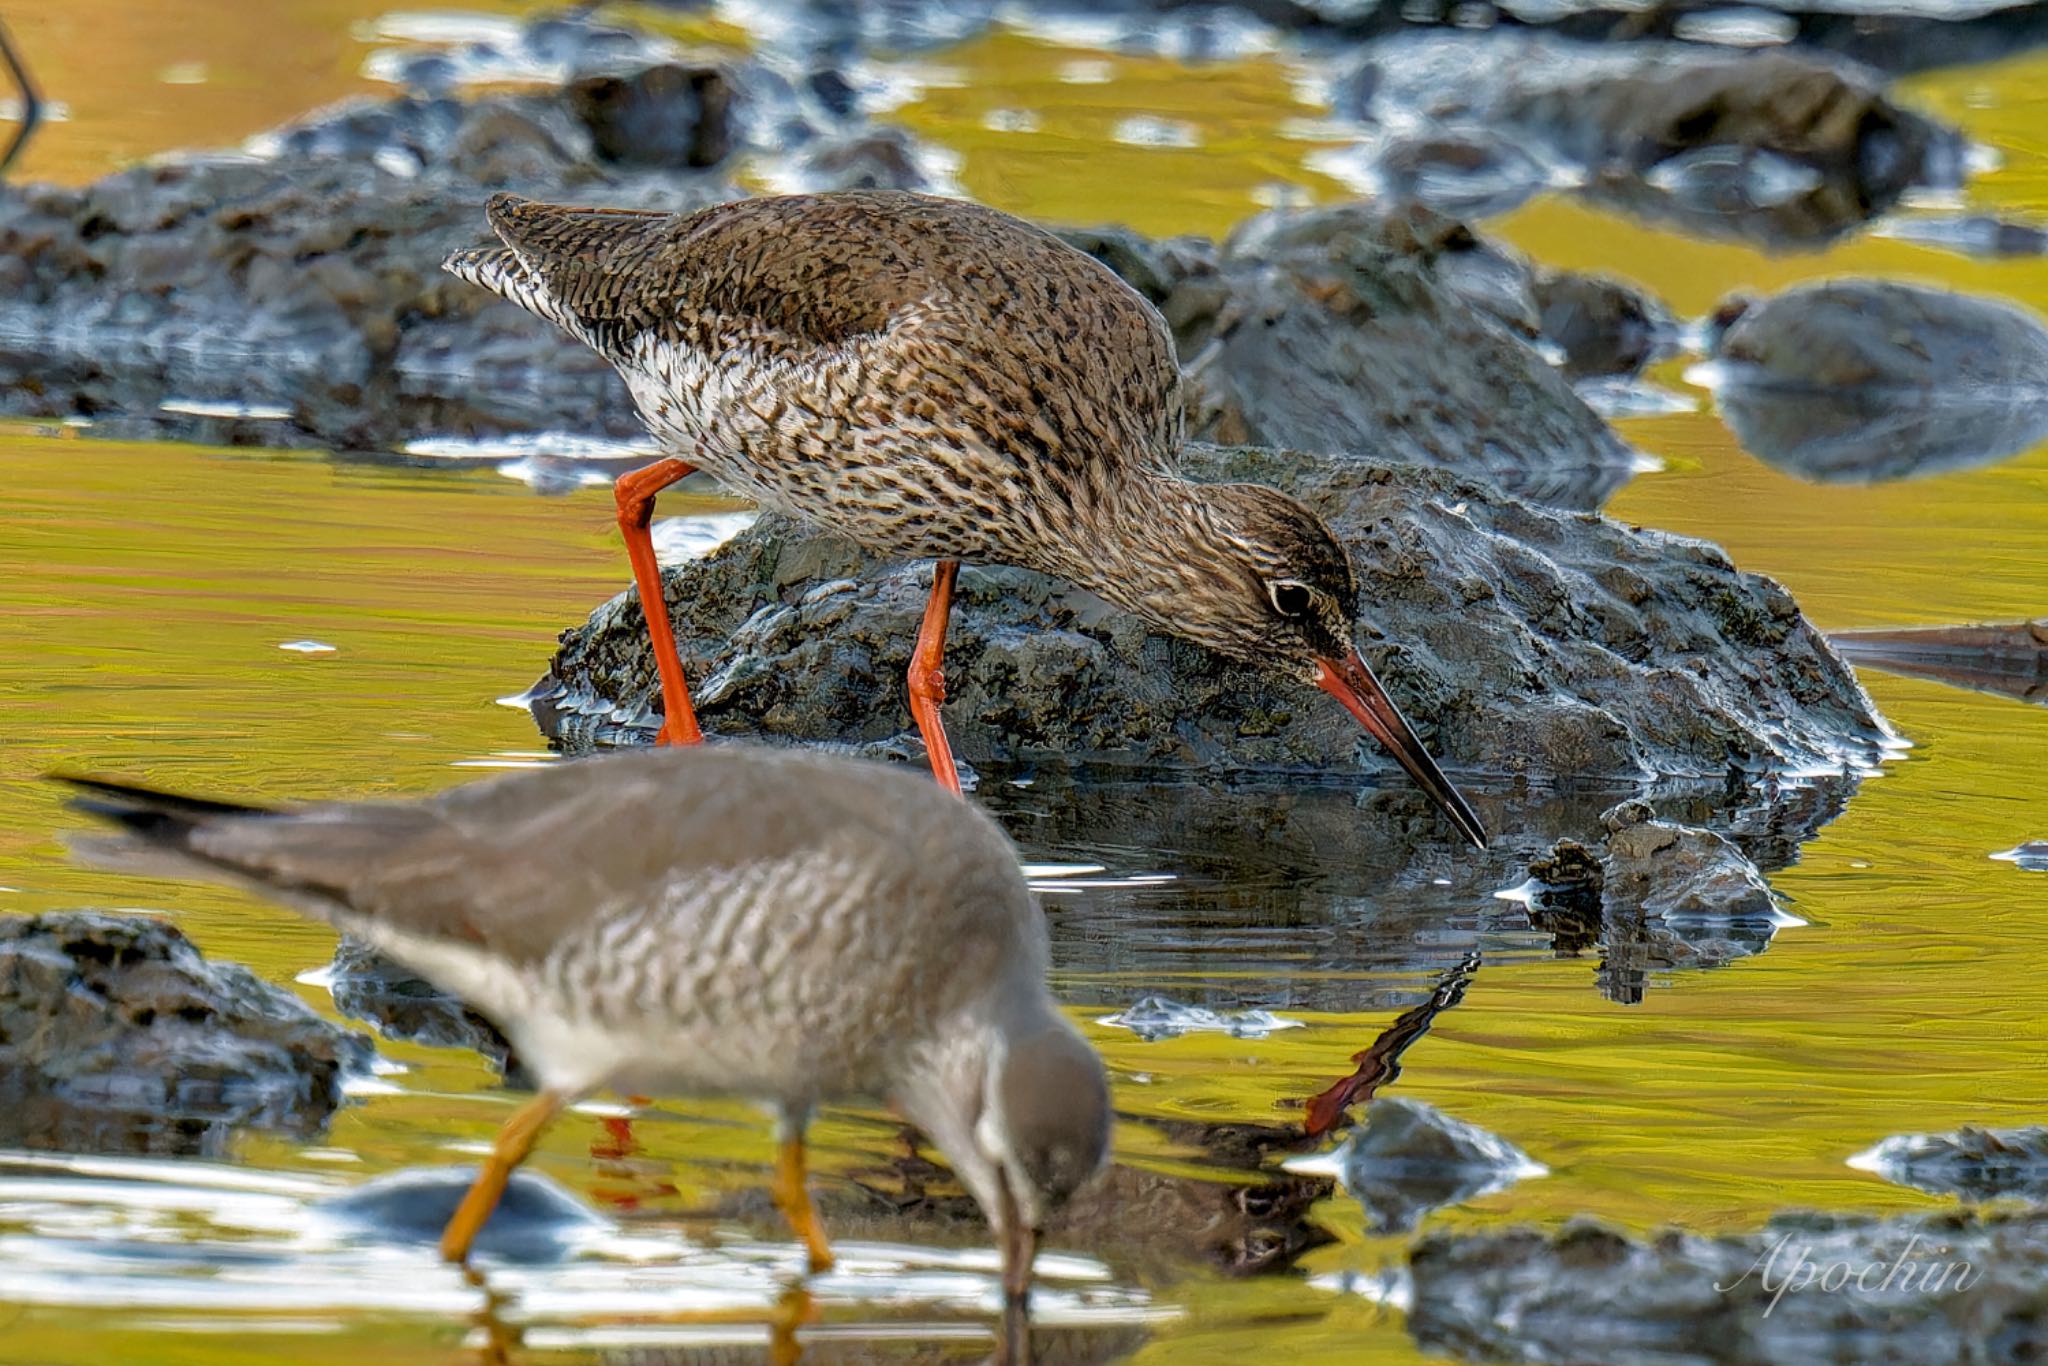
[1266, 582]
[1022, 1110]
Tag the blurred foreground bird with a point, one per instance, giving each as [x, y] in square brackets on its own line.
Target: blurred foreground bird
[928, 377]
[740, 921]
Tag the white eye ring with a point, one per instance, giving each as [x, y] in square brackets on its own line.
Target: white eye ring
[1291, 597]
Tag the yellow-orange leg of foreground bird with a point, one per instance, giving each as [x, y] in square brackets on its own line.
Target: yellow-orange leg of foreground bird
[793, 1198]
[635, 494]
[515, 1141]
[928, 676]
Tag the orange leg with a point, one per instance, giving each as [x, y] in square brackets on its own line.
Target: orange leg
[635, 493]
[793, 1198]
[515, 1141]
[928, 676]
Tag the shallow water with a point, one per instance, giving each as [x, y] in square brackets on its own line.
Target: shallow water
[147, 592]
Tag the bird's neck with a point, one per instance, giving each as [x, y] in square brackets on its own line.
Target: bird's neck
[1151, 543]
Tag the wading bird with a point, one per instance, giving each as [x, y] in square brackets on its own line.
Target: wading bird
[932, 378]
[794, 928]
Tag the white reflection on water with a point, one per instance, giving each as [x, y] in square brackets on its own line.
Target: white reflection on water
[273, 1252]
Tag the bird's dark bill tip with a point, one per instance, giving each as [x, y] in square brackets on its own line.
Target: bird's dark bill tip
[1353, 684]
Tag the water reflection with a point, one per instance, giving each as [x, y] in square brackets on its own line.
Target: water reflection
[224, 1247]
[1865, 435]
[1318, 896]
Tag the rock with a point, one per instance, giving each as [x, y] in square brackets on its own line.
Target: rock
[306, 280]
[2010, 659]
[1665, 896]
[1519, 641]
[1975, 1164]
[873, 159]
[401, 1005]
[1779, 147]
[537, 1221]
[1673, 872]
[117, 1036]
[1970, 234]
[1603, 326]
[1153, 1018]
[1863, 380]
[668, 115]
[1807, 1290]
[1411, 1158]
[1388, 334]
[1884, 334]
[1677, 897]
[2029, 856]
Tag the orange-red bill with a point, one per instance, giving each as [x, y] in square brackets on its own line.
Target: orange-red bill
[1352, 683]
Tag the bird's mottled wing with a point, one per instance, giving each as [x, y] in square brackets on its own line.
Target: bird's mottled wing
[739, 267]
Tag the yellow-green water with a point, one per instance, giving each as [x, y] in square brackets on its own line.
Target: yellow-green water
[145, 590]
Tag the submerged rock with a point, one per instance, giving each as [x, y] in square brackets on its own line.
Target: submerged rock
[1775, 146]
[1519, 640]
[117, 1036]
[1976, 1164]
[1808, 1289]
[1411, 1158]
[1864, 380]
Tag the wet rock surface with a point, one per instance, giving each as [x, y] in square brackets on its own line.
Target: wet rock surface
[1865, 380]
[295, 295]
[1676, 897]
[1520, 641]
[1935, 1290]
[1603, 326]
[1411, 1158]
[537, 1220]
[117, 1036]
[1976, 1164]
[1774, 146]
[1658, 896]
[1389, 333]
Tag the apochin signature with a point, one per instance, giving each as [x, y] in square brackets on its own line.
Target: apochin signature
[1786, 1267]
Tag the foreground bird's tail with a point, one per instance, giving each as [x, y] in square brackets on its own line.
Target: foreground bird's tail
[156, 827]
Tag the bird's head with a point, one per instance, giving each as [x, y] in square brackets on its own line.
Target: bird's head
[1021, 1107]
[1272, 586]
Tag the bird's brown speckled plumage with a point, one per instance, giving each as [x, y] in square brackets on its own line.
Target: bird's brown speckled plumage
[930, 377]
[927, 376]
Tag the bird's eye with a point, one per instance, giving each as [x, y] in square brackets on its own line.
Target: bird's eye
[1290, 599]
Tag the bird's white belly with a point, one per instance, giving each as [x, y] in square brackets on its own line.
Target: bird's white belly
[574, 1051]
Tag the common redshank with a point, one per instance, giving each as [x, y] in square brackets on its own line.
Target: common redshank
[932, 378]
[794, 928]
